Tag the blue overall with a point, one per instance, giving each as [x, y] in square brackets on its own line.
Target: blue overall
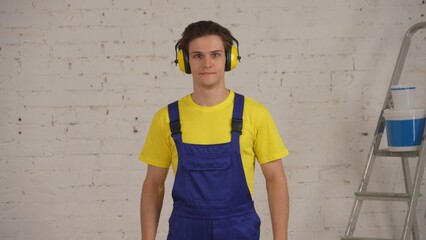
[210, 193]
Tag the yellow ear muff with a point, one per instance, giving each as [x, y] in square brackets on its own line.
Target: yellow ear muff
[183, 61]
[234, 57]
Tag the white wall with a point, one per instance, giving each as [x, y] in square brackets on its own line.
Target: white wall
[80, 81]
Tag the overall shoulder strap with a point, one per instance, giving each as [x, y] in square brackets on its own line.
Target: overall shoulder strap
[237, 114]
[174, 123]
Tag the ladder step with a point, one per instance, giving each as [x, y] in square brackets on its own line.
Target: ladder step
[383, 196]
[387, 153]
[365, 238]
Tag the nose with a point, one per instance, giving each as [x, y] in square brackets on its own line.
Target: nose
[207, 61]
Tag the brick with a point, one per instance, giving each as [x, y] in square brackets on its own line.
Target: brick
[23, 19]
[125, 17]
[15, 36]
[96, 4]
[130, 4]
[75, 51]
[12, 6]
[83, 34]
[51, 5]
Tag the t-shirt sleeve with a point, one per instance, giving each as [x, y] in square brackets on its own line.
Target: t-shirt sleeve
[268, 145]
[156, 150]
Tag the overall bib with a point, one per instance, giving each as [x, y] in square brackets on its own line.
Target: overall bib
[210, 193]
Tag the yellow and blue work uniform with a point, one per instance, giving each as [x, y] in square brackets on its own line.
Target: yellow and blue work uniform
[213, 159]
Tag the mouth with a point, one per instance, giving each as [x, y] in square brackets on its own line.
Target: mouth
[207, 73]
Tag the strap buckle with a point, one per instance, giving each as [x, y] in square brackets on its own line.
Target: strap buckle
[175, 127]
[237, 125]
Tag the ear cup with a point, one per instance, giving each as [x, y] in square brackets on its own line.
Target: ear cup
[183, 61]
[232, 58]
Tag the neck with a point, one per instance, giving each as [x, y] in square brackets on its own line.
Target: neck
[210, 97]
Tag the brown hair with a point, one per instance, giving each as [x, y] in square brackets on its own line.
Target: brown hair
[204, 28]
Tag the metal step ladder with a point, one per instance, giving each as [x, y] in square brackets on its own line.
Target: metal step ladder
[412, 186]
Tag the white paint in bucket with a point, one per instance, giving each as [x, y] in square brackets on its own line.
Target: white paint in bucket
[403, 97]
[404, 129]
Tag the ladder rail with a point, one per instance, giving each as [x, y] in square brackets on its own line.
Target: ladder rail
[396, 75]
[411, 215]
[409, 190]
[364, 182]
[404, 51]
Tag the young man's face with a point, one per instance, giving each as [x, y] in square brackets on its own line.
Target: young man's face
[207, 61]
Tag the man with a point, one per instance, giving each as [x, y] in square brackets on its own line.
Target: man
[212, 138]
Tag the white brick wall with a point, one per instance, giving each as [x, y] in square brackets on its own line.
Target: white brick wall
[81, 80]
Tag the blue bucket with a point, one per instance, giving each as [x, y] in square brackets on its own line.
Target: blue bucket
[404, 129]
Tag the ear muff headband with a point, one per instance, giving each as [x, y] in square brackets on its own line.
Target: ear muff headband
[232, 58]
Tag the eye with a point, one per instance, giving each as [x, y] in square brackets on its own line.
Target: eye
[197, 56]
[216, 55]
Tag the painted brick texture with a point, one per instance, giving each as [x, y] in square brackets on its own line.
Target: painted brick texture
[81, 80]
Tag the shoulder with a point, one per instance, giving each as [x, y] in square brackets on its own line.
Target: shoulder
[254, 107]
[257, 114]
[162, 115]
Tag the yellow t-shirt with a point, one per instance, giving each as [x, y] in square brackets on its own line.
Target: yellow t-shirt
[259, 140]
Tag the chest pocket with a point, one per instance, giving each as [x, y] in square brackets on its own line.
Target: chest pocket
[209, 176]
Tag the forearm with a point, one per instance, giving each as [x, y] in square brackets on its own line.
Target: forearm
[151, 204]
[278, 200]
